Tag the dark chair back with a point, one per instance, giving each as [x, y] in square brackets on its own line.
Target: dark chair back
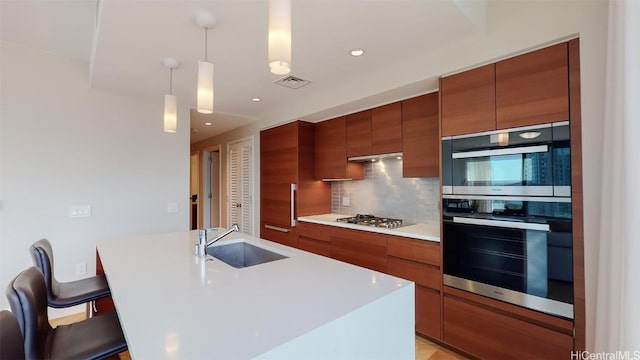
[11, 340]
[28, 301]
[42, 255]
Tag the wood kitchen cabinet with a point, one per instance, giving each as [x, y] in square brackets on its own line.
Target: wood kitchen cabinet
[528, 89]
[468, 101]
[386, 129]
[360, 248]
[375, 131]
[314, 238]
[533, 88]
[420, 137]
[331, 152]
[419, 261]
[490, 329]
[359, 133]
[287, 185]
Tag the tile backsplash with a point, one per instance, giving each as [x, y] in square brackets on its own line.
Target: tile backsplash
[384, 192]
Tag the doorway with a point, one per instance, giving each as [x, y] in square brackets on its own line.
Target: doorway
[240, 189]
[211, 190]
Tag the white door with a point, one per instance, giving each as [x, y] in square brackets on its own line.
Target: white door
[240, 199]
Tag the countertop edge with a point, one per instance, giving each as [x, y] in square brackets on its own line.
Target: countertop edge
[395, 232]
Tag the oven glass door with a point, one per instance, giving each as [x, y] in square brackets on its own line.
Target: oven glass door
[524, 263]
[516, 162]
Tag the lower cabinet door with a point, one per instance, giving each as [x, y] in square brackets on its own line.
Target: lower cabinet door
[491, 335]
[315, 246]
[428, 312]
[360, 248]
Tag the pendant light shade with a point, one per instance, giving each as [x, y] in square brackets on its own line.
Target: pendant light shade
[170, 100]
[204, 101]
[170, 113]
[280, 36]
[205, 87]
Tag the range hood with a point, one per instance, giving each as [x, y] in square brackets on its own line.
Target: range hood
[367, 158]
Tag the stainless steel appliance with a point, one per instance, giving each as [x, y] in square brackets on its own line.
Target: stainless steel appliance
[507, 216]
[370, 220]
[526, 161]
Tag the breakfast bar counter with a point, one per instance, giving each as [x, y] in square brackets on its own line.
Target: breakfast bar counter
[174, 304]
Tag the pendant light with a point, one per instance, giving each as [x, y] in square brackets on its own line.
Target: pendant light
[205, 68]
[170, 100]
[280, 36]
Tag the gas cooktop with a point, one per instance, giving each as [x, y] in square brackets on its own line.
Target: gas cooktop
[370, 220]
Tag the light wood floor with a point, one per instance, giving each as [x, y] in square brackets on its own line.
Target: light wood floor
[425, 350]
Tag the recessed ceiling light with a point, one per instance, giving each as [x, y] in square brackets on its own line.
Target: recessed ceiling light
[399, 157]
[357, 52]
[208, 123]
[256, 99]
[194, 130]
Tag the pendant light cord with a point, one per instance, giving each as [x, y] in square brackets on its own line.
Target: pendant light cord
[206, 44]
[171, 81]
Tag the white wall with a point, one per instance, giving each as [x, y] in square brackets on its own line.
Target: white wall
[63, 143]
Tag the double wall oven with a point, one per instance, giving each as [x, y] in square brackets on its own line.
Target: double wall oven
[507, 216]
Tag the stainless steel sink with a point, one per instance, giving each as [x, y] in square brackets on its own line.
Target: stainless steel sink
[242, 254]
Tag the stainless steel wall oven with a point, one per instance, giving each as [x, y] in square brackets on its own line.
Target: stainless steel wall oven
[507, 217]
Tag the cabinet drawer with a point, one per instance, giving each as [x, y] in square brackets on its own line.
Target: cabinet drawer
[314, 231]
[428, 312]
[312, 245]
[360, 248]
[421, 274]
[488, 334]
[427, 252]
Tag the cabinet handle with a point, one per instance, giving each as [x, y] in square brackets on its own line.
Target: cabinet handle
[293, 204]
[276, 228]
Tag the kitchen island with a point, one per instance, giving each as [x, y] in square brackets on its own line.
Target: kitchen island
[173, 304]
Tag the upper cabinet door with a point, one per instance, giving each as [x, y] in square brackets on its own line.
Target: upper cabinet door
[533, 88]
[331, 152]
[420, 138]
[468, 101]
[386, 129]
[359, 134]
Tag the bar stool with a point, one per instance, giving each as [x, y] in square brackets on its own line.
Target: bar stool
[65, 294]
[94, 338]
[11, 341]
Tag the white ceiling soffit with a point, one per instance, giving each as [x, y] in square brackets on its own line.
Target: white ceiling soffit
[132, 38]
[61, 27]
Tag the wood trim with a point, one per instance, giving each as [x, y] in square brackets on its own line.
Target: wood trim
[579, 298]
[551, 322]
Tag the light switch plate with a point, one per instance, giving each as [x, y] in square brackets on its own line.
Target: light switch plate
[346, 201]
[80, 211]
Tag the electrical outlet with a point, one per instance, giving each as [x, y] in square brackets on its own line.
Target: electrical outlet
[346, 201]
[81, 268]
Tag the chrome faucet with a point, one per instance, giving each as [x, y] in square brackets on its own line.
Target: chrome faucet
[201, 248]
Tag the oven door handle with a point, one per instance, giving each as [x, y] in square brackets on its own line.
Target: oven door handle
[501, 223]
[496, 152]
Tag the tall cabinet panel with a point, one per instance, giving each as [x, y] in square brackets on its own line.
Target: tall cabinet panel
[287, 185]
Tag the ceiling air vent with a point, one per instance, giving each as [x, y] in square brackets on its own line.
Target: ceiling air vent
[292, 82]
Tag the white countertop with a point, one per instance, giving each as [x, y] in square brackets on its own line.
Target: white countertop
[429, 232]
[173, 304]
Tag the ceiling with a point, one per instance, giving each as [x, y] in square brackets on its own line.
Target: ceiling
[125, 42]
